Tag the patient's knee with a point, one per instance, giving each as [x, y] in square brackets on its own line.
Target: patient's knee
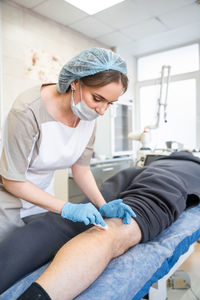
[123, 236]
[119, 237]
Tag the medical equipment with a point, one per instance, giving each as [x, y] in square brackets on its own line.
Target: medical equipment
[112, 131]
[174, 145]
[180, 280]
[145, 136]
[143, 269]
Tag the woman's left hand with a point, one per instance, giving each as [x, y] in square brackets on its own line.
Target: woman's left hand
[117, 209]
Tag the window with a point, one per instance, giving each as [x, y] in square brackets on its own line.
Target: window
[183, 110]
[181, 114]
[182, 60]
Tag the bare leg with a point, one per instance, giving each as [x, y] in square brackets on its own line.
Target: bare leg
[80, 261]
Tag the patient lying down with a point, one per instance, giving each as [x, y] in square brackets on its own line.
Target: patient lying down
[157, 194]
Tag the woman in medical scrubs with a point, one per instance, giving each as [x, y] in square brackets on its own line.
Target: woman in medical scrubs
[52, 127]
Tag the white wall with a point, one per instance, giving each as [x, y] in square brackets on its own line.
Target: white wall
[132, 73]
[24, 31]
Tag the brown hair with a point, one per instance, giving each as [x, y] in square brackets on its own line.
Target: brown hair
[105, 77]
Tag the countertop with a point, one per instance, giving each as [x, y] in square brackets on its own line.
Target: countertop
[96, 161]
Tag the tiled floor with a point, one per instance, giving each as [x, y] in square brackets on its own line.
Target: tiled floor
[192, 267]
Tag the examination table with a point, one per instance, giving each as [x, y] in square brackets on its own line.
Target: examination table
[131, 276]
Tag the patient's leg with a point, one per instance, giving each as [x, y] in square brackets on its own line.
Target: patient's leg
[34, 244]
[79, 262]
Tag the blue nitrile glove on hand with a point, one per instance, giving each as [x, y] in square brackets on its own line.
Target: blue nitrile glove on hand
[86, 213]
[117, 209]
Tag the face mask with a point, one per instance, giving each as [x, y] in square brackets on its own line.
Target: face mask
[82, 110]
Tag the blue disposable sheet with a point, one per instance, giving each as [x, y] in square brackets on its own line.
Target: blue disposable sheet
[130, 276]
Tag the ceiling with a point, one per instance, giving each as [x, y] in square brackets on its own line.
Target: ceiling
[137, 26]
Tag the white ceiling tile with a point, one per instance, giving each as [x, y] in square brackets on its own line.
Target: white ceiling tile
[181, 17]
[123, 14]
[113, 39]
[127, 21]
[28, 3]
[91, 27]
[144, 29]
[158, 7]
[170, 39]
[60, 11]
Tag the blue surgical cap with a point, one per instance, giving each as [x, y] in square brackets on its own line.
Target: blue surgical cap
[89, 62]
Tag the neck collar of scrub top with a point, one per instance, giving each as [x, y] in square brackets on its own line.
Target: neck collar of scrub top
[89, 62]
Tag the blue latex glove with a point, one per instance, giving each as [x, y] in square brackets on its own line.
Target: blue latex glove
[117, 209]
[86, 213]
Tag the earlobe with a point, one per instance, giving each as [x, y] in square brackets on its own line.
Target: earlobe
[74, 84]
[72, 88]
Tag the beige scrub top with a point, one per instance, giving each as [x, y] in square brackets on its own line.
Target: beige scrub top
[35, 145]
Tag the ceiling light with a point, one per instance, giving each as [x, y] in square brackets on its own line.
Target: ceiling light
[91, 6]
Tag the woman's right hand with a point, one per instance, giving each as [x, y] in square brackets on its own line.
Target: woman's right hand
[86, 213]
